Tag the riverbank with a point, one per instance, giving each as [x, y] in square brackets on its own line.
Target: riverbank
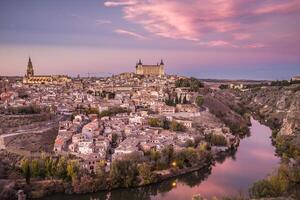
[278, 107]
[228, 176]
[41, 188]
[38, 188]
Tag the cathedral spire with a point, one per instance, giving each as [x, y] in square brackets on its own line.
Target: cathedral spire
[161, 62]
[30, 71]
[29, 62]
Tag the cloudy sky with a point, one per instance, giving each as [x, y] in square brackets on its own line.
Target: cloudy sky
[253, 39]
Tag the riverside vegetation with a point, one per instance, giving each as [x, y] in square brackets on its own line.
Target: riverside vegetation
[128, 172]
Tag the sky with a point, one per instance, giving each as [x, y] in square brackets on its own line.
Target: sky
[231, 39]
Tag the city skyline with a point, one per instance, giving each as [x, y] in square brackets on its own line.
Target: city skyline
[205, 39]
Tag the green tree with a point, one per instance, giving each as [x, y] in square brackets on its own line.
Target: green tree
[146, 174]
[35, 169]
[114, 138]
[216, 140]
[72, 170]
[92, 111]
[199, 101]
[166, 157]
[124, 173]
[49, 166]
[223, 87]
[190, 143]
[84, 184]
[101, 175]
[177, 100]
[175, 126]
[61, 168]
[184, 101]
[154, 122]
[155, 156]
[262, 189]
[100, 168]
[113, 111]
[166, 124]
[186, 157]
[25, 167]
[170, 102]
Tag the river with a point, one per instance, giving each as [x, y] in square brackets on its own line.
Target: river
[230, 176]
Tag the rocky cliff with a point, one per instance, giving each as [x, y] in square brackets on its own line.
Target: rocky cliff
[279, 107]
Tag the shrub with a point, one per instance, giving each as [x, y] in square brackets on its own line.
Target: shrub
[92, 111]
[175, 126]
[113, 111]
[25, 167]
[199, 101]
[84, 184]
[193, 83]
[216, 140]
[223, 86]
[154, 122]
[262, 189]
[124, 173]
[146, 174]
[24, 110]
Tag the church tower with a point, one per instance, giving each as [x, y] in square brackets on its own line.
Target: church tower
[139, 67]
[30, 71]
[161, 68]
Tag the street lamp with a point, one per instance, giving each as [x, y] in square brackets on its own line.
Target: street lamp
[174, 164]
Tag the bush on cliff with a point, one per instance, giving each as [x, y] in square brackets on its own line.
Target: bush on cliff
[216, 140]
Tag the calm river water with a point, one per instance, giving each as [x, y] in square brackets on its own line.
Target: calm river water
[230, 176]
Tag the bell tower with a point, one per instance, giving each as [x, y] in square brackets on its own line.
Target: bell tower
[139, 67]
[30, 71]
[161, 68]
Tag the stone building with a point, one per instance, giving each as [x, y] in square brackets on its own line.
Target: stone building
[30, 78]
[152, 70]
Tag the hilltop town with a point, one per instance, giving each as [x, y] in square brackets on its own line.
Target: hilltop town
[163, 124]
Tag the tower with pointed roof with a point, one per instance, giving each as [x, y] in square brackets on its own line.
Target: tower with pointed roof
[30, 71]
[31, 78]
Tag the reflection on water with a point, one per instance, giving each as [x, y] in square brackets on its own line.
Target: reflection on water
[231, 175]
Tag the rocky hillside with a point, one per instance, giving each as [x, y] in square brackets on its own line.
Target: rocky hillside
[278, 106]
[228, 108]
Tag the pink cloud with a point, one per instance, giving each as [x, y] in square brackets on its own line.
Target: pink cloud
[255, 46]
[130, 33]
[217, 43]
[163, 19]
[231, 23]
[119, 3]
[283, 7]
[241, 36]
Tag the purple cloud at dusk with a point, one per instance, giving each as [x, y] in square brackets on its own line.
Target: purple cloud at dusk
[253, 39]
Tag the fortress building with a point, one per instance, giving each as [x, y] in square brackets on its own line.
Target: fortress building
[152, 70]
[30, 78]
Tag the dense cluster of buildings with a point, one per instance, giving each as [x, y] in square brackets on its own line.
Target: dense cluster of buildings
[108, 118]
